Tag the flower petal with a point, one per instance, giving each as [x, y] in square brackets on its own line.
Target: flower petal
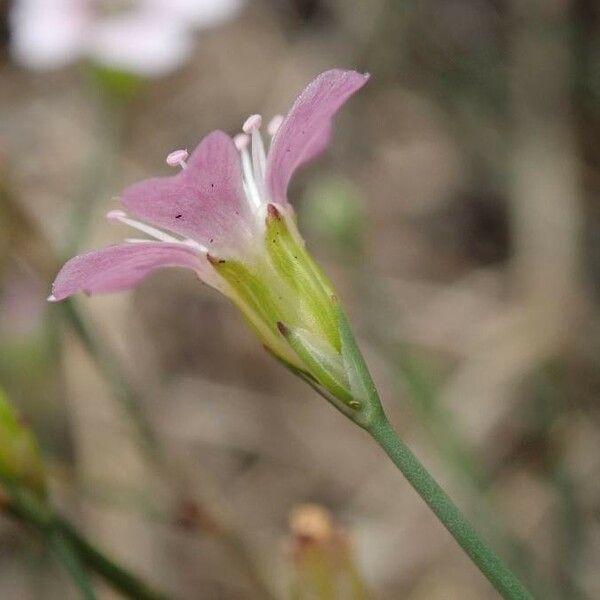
[120, 267]
[141, 42]
[205, 202]
[306, 130]
[48, 34]
[201, 15]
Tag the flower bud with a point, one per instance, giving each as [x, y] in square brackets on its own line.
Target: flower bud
[20, 460]
[321, 556]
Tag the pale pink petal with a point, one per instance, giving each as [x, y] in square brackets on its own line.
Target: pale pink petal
[306, 129]
[204, 202]
[199, 14]
[120, 267]
[48, 34]
[142, 42]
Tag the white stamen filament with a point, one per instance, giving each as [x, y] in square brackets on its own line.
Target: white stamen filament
[253, 156]
[119, 215]
[259, 160]
[157, 234]
[194, 244]
[249, 179]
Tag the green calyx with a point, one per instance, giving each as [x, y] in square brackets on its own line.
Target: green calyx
[20, 459]
[295, 266]
[291, 306]
[322, 364]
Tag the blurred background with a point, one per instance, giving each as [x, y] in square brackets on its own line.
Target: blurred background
[457, 211]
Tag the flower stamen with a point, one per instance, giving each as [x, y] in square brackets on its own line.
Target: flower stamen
[253, 122]
[242, 141]
[177, 158]
[157, 234]
[259, 158]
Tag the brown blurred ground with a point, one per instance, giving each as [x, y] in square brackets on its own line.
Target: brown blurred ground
[472, 272]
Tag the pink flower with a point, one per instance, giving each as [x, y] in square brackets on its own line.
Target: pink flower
[226, 216]
[144, 37]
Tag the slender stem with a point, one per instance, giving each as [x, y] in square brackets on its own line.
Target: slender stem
[33, 244]
[372, 418]
[110, 117]
[486, 560]
[119, 578]
[71, 547]
[70, 559]
[113, 373]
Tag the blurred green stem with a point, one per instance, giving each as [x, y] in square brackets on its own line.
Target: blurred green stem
[72, 549]
[111, 110]
[65, 553]
[21, 235]
[119, 578]
[112, 372]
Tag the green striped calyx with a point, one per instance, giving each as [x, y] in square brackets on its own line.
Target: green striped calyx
[291, 305]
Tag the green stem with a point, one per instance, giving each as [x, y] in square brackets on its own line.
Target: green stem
[71, 547]
[67, 555]
[446, 511]
[28, 239]
[110, 117]
[372, 418]
[120, 579]
[111, 370]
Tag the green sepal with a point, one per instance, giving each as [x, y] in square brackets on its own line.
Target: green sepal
[321, 361]
[359, 378]
[255, 300]
[20, 458]
[294, 264]
[250, 289]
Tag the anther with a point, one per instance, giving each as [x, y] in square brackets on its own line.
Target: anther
[177, 158]
[274, 124]
[252, 123]
[241, 141]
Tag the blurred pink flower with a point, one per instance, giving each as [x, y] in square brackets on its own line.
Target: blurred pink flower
[146, 37]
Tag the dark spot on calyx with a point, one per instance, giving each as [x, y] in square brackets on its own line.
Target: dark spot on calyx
[283, 329]
[272, 212]
[213, 260]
